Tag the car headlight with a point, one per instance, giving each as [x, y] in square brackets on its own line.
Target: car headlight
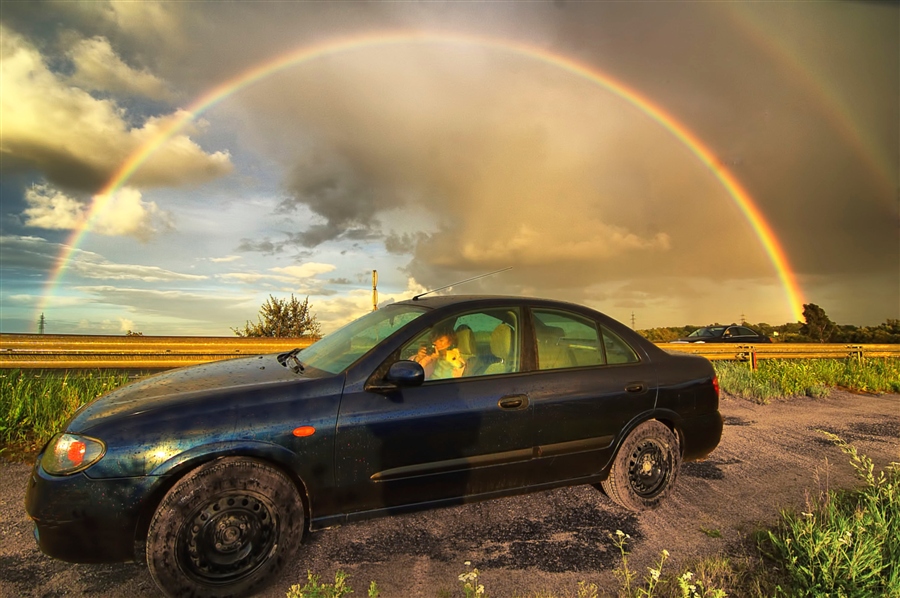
[70, 453]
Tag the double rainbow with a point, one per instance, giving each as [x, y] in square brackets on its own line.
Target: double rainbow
[739, 195]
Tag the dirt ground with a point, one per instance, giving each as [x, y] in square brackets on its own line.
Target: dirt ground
[769, 458]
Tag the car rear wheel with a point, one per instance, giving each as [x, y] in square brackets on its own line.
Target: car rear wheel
[225, 529]
[644, 470]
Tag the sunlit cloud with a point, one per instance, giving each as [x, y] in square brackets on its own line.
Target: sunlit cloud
[79, 141]
[98, 68]
[123, 214]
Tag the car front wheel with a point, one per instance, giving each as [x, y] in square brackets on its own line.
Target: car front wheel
[644, 470]
[225, 529]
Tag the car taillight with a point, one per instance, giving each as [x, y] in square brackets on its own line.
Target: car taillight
[716, 385]
[69, 453]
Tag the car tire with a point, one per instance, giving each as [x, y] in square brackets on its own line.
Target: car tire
[225, 529]
[645, 467]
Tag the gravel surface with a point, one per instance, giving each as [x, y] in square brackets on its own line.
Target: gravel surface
[770, 456]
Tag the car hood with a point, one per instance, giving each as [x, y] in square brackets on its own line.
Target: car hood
[186, 385]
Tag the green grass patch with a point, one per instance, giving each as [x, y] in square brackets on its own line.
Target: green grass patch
[775, 378]
[34, 407]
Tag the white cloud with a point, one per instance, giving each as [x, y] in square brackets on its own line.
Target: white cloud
[286, 274]
[32, 300]
[80, 141]
[307, 270]
[122, 214]
[125, 325]
[335, 312]
[110, 271]
[226, 259]
[97, 67]
[247, 277]
[52, 209]
[36, 253]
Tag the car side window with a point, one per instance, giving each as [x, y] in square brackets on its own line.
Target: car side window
[617, 350]
[566, 340]
[479, 343]
[741, 331]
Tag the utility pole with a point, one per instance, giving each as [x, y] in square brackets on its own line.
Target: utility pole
[374, 290]
[632, 320]
[743, 319]
[41, 323]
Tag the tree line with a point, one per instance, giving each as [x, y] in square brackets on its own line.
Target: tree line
[817, 327]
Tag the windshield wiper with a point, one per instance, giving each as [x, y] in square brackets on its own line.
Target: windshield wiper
[297, 367]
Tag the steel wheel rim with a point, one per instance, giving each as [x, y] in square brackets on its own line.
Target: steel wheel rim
[648, 469]
[227, 538]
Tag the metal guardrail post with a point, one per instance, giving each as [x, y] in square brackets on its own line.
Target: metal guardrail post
[856, 351]
[747, 353]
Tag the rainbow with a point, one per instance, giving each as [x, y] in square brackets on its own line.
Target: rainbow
[334, 46]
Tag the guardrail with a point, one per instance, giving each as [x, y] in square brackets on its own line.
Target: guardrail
[72, 351]
[753, 353]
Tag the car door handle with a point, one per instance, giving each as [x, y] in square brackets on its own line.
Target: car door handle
[635, 387]
[513, 402]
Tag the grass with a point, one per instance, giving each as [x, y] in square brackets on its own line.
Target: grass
[34, 407]
[776, 378]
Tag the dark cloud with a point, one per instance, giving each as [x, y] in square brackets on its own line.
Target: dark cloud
[265, 246]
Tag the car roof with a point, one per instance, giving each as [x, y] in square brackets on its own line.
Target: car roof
[436, 301]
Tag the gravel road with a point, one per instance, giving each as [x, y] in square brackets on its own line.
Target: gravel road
[770, 456]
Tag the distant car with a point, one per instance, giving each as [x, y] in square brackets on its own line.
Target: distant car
[725, 334]
[213, 473]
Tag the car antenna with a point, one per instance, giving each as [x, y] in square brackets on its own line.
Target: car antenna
[416, 298]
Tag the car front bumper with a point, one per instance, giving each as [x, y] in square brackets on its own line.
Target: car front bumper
[84, 520]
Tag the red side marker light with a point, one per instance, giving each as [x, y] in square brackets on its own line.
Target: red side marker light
[304, 431]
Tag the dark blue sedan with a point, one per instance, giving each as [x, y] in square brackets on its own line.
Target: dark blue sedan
[725, 334]
[213, 473]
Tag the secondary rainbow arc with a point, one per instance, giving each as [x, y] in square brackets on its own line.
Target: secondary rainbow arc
[736, 191]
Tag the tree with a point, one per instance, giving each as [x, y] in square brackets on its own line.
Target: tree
[819, 326]
[283, 318]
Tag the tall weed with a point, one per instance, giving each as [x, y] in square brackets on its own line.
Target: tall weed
[845, 543]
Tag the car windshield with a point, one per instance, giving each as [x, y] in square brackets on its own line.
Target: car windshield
[337, 351]
[706, 332]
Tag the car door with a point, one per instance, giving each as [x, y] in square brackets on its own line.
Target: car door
[448, 438]
[592, 383]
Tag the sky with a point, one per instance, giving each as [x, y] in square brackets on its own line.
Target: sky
[165, 167]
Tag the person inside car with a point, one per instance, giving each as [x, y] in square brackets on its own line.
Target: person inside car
[443, 360]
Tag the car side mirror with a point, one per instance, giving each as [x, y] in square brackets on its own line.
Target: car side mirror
[402, 374]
